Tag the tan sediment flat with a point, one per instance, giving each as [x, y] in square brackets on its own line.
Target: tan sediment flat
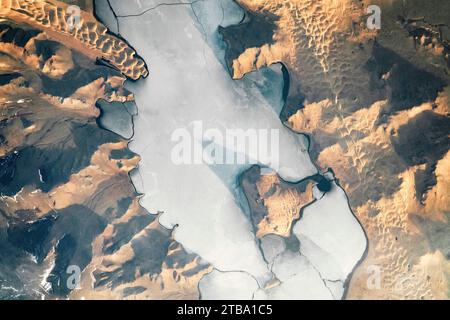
[359, 132]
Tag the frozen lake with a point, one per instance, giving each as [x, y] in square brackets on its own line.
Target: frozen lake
[186, 109]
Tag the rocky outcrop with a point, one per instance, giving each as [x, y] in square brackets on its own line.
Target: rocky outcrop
[66, 199]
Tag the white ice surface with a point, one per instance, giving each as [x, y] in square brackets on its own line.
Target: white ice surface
[330, 236]
[188, 82]
[299, 280]
[116, 117]
[230, 285]
[272, 246]
[336, 288]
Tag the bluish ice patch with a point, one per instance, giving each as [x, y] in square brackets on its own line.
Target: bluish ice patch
[117, 117]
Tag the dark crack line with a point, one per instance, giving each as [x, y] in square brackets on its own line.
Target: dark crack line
[204, 33]
[320, 276]
[156, 7]
[324, 280]
[205, 36]
[269, 265]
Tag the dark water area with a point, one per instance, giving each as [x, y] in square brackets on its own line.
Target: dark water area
[292, 103]
[287, 82]
[323, 184]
